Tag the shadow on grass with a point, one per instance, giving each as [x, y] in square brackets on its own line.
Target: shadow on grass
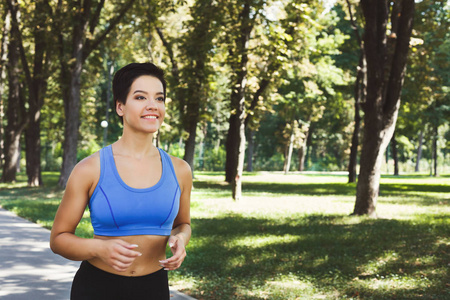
[408, 188]
[318, 249]
[284, 188]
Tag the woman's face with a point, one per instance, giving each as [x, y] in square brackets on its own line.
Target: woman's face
[145, 106]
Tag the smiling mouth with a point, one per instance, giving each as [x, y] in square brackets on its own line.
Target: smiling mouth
[150, 117]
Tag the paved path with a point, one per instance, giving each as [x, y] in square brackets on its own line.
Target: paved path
[29, 270]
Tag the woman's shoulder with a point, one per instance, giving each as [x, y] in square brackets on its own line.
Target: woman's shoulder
[89, 167]
[181, 167]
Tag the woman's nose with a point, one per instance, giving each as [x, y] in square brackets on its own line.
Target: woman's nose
[151, 104]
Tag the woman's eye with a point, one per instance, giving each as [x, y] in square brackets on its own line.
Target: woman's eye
[140, 98]
[160, 99]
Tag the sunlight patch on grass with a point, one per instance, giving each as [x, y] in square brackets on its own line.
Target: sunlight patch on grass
[13, 185]
[264, 241]
[390, 287]
[279, 205]
[283, 287]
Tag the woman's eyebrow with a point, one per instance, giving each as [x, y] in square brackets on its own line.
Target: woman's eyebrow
[144, 92]
[139, 91]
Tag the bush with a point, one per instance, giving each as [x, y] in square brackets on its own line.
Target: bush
[274, 163]
[87, 148]
[213, 160]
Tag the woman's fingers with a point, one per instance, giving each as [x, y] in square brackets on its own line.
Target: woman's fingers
[174, 262]
[120, 255]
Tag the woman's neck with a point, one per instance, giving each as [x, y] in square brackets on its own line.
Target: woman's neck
[135, 145]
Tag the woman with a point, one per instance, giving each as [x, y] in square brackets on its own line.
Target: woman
[139, 200]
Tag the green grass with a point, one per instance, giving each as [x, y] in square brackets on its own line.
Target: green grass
[291, 237]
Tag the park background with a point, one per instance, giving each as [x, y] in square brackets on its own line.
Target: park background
[272, 104]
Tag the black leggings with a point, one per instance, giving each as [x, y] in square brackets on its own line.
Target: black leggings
[92, 283]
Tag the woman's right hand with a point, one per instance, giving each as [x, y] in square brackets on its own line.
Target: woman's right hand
[118, 254]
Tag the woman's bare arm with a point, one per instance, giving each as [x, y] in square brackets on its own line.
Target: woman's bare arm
[181, 232]
[63, 241]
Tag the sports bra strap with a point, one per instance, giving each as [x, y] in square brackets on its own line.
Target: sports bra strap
[169, 163]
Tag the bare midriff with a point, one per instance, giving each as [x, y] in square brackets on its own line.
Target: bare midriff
[152, 247]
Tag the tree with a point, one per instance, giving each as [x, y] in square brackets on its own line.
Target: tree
[3, 59]
[246, 12]
[359, 95]
[15, 112]
[386, 56]
[35, 79]
[426, 86]
[312, 80]
[197, 48]
[83, 17]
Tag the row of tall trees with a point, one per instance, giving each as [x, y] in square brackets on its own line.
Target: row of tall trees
[249, 81]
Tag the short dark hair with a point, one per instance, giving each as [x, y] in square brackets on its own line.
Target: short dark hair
[124, 78]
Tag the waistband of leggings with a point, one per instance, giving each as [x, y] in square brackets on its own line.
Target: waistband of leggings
[88, 265]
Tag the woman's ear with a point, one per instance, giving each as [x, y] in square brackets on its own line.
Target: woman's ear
[119, 108]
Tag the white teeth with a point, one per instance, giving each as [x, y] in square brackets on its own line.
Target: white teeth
[150, 117]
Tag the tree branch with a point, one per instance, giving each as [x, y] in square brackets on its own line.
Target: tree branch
[397, 74]
[169, 52]
[354, 25]
[96, 17]
[16, 32]
[112, 24]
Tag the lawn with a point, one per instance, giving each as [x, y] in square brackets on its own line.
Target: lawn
[291, 237]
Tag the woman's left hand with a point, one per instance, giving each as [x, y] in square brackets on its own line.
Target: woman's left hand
[177, 247]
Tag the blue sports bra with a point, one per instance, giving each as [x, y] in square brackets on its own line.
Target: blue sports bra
[120, 210]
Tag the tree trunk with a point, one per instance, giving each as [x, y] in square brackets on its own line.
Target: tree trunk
[33, 152]
[189, 146]
[235, 148]
[353, 161]
[237, 183]
[385, 73]
[394, 154]
[231, 146]
[369, 178]
[307, 147]
[15, 112]
[110, 71]
[289, 153]
[419, 152]
[37, 84]
[250, 149]
[3, 60]
[72, 104]
[435, 151]
[360, 96]
[302, 151]
[301, 158]
[235, 144]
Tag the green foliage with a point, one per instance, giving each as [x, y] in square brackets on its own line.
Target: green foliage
[52, 158]
[425, 95]
[212, 160]
[273, 163]
[87, 149]
[302, 56]
[176, 151]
